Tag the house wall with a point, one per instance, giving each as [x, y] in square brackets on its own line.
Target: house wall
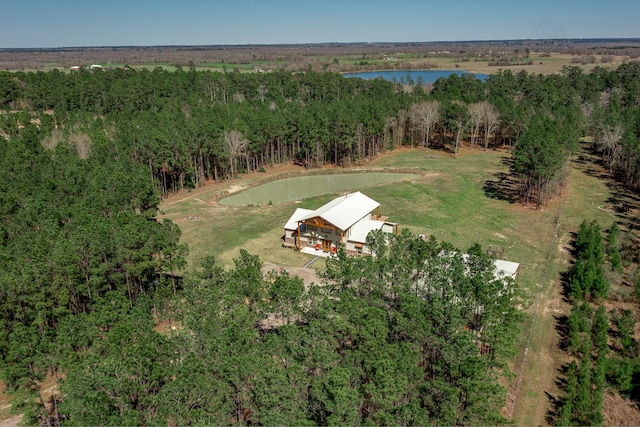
[388, 228]
[352, 249]
[313, 236]
[289, 240]
[310, 238]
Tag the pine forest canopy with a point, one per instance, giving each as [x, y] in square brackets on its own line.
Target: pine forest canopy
[189, 126]
[86, 156]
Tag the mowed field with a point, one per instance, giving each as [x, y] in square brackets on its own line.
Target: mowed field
[460, 200]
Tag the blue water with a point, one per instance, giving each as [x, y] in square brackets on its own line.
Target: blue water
[428, 76]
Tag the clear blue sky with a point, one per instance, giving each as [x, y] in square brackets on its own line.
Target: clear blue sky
[64, 23]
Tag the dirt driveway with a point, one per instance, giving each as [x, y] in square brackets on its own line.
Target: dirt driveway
[308, 275]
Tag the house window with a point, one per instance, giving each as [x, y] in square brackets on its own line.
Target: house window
[326, 230]
[312, 228]
[358, 248]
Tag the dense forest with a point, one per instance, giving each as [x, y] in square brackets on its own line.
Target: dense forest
[187, 126]
[407, 337]
[600, 340]
[376, 345]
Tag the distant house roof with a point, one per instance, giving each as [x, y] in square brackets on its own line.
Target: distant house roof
[344, 211]
[292, 223]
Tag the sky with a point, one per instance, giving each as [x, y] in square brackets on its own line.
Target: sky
[83, 23]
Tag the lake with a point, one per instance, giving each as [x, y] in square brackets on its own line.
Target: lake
[302, 187]
[428, 76]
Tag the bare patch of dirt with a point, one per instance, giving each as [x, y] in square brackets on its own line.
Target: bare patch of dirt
[11, 422]
[620, 411]
[308, 275]
[6, 418]
[166, 326]
[48, 389]
[564, 246]
[552, 304]
[237, 188]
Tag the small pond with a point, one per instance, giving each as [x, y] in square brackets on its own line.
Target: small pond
[302, 187]
[425, 76]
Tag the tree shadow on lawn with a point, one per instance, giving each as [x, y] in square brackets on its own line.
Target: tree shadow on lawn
[563, 331]
[556, 402]
[624, 204]
[591, 164]
[505, 186]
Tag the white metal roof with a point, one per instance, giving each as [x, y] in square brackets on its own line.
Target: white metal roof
[506, 268]
[360, 231]
[292, 223]
[502, 268]
[344, 211]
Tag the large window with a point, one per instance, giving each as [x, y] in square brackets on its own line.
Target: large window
[326, 230]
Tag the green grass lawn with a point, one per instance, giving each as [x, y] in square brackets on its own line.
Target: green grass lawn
[451, 200]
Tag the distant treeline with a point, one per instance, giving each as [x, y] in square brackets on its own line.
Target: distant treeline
[291, 57]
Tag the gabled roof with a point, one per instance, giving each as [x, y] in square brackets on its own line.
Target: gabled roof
[292, 223]
[344, 211]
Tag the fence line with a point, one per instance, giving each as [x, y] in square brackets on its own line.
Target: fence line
[535, 312]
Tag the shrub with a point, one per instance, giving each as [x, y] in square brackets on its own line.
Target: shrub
[634, 279]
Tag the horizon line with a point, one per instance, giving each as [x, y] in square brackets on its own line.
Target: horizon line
[244, 45]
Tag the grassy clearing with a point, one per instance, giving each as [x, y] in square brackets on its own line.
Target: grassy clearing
[456, 200]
